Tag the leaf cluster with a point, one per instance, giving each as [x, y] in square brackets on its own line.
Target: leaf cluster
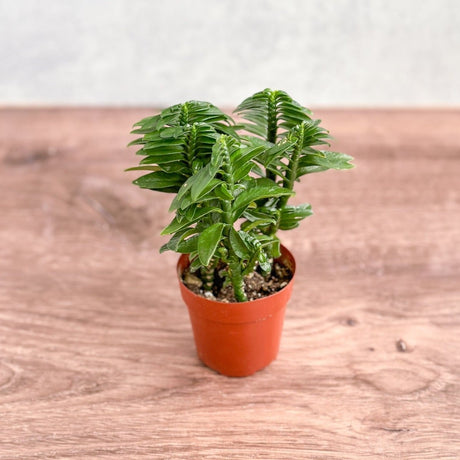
[232, 188]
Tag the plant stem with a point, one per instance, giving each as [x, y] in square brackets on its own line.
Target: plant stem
[207, 276]
[272, 127]
[235, 272]
[234, 264]
[207, 273]
[190, 147]
[251, 265]
[291, 174]
[237, 280]
[289, 179]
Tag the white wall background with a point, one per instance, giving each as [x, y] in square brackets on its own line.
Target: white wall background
[157, 52]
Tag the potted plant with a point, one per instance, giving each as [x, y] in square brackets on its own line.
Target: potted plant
[232, 183]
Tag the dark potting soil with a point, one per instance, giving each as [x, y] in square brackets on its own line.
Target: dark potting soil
[256, 285]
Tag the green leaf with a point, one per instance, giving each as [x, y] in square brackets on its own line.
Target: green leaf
[246, 154]
[159, 180]
[255, 129]
[276, 152]
[275, 248]
[309, 170]
[205, 195]
[239, 245]
[243, 161]
[144, 168]
[137, 141]
[262, 213]
[321, 160]
[248, 226]
[223, 193]
[148, 122]
[162, 158]
[195, 264]
[189, 245]
[256, 169]
[173, 132]
[258, 189]
[180, 222]
[177, 167]
[333, 160]
[264, 263]
[208, 241]
[176, 240]
[202, 179]
[243, 171]
[163, 148]
[292, 215]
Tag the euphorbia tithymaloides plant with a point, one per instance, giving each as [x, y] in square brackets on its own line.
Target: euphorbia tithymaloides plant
[232, 189]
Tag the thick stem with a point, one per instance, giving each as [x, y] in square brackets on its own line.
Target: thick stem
[190, 147]
[272, 120]
[234, 263]
[207, 276]
[289, 179]
[272, 127]
[291, 173]
[183, 116]
[237, 280]
[251, 265]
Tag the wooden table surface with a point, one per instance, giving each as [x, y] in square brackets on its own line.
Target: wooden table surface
[97, 359]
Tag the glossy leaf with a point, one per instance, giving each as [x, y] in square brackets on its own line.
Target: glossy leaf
[160, 180]
[205, 195]
[176, 240]
[264, 263]
[195, 264]
[202, 179]
[208, 241]
[258, 189]
[223, 193]
[180, 222]
[290, 216]
[162, 159]
[248, 226]
[239, 245]
[189, 245]
[327, 159]
[144, 168]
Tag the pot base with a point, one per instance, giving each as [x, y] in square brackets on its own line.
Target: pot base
[238, 339]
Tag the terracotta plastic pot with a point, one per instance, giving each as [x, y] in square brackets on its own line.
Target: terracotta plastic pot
[237, 339]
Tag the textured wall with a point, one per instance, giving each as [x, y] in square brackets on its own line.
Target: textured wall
[339, 52]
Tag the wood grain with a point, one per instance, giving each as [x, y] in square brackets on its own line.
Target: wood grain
[97, 359]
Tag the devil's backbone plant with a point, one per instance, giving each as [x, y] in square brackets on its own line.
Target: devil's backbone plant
[232, 188]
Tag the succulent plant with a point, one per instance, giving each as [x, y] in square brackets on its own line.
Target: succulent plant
[232, 188]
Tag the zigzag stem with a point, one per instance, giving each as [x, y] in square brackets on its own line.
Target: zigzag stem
[291, 174]
[289, 179]
[207, 275]
[190, 146]
[272, 127]
[251, 265]
[235, 272]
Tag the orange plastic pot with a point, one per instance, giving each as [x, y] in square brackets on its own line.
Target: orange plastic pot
[237, 339]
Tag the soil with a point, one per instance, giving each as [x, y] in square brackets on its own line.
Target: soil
[256, 285]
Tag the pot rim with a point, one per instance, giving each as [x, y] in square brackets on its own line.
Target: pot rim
[284, 252]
